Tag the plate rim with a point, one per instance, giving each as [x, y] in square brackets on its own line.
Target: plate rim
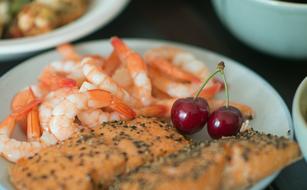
[130, 41]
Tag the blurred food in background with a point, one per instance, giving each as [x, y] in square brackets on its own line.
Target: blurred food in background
[21, 18]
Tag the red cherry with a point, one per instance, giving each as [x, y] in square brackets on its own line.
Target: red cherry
[190, 115]
[225, 121]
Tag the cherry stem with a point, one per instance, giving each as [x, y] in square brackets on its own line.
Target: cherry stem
[220, 69]
[205, 83]
[226, 87]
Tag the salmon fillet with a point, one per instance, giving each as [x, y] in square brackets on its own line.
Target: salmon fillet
[197, 167]
[230, 163]
[74, 164]
[91, 159]
[142, 139]
[253, 156]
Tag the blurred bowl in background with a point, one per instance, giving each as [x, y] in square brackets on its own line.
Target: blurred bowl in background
[99, 14]
[275, 27]
[299, 113]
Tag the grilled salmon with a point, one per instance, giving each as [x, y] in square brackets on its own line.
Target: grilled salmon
[197, 167]
[92, 158]
[78, 163]
[253, 156]
[230, 163]
[142, 139]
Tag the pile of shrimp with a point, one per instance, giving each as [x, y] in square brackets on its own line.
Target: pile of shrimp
[86, 90]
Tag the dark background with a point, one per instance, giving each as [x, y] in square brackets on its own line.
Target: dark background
[195, 23]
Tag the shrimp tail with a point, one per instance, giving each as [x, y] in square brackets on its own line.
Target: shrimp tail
[104, 98]
[137, 69]
[33, 125]
[68, 52]
[122, 108]
[7, 126]
[172, 70]
[119, 46]
[112, 63]
[153, 111]
[21, 98]
[22, 112]
[52, 81]
[134, 61]
[66, 82]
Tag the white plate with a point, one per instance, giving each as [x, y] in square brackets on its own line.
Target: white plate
[272, 115]
[99, 14]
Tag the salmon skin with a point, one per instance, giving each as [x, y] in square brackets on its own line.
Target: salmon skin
[92, 158]
[231, 163]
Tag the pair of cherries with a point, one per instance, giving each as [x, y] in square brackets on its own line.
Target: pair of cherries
[189, 115]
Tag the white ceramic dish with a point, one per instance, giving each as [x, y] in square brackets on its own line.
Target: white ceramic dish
[299, 113]
[99, 14]
[272, 26]
[245, 86]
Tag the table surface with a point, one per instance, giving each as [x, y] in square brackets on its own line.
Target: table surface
[195, 22]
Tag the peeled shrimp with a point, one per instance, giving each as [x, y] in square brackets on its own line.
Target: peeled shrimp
[13, 149]
[175, 72]
[62, 123]
[172, 88]
[87, 86]
[179, 59]
[111, 64]
[97, 77]
[165, 65]
[122, 77]
[50, 102]
[137, 69]
[68, 52]
[71, 67]
[51, 80]
[94, 117]
[38, 91]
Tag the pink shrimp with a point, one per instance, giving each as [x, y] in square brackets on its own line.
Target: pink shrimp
[99, 78]
[178, 59]
[163, 60]
[51, 80]
[51, 100]
[94, 117]
[71, 67]
[62, 122]
[111, 64]
[137, 69]
[178, 73]
[13, 149]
